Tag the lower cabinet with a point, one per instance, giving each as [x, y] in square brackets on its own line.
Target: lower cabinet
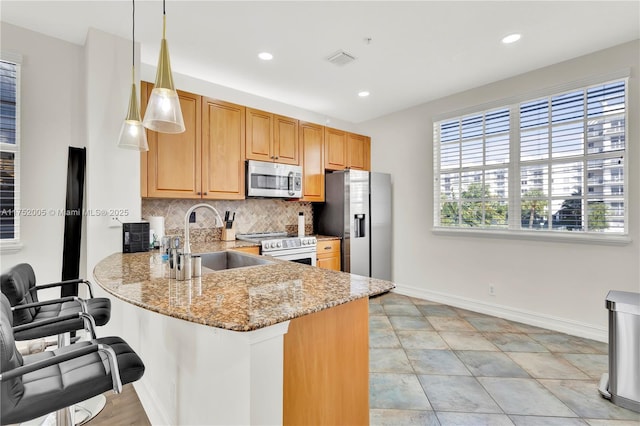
[250, 250]
[328, 256]
[326, 367]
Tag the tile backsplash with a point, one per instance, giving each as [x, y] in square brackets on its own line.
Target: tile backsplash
[252, 215]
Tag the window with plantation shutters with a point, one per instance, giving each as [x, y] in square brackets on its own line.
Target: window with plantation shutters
[473, 170]
[562, 156]
[9, 152]
[572, 160]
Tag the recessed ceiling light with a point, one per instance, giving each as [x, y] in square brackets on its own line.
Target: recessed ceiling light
[265, 56]
[511, 38]
[363, 94]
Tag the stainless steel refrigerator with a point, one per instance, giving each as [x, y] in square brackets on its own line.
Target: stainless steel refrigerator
[357, 208]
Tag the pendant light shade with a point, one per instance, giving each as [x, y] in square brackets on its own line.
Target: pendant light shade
[163, 112]
[133, 135]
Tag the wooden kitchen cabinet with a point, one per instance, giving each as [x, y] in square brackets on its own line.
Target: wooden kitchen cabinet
[251, 249]
[171, 167]
[223, 150]
[271, 137]
[312, 159]
[285, 140]
[344, 150]
[326, 367]
[206, 161]
[335, 149]
[328, 254]
[358, 152]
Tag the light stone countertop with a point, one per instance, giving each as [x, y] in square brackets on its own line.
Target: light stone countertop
[241, 299]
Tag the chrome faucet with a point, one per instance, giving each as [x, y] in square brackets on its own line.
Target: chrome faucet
[187, 245]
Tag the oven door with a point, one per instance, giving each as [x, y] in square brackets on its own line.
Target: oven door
[304, 256]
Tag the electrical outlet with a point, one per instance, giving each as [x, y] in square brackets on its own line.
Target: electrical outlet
[492, 290]
[114, 222]
[192, 217]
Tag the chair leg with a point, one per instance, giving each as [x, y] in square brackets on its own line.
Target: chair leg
[88, 409]
[77, 414]
[64, 339]
[65, 417]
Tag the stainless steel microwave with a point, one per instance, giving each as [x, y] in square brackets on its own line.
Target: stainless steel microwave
[273, 180]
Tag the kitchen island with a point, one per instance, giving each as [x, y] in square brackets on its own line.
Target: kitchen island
[281, 343]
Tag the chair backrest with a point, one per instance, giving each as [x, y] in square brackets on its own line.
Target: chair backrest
[15, 284]
[10, 358]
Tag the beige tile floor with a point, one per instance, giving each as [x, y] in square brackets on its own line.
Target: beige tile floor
[432, 364]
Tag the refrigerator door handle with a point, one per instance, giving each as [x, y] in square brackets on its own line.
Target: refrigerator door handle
[359, 226]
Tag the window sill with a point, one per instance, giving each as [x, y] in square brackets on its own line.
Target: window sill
[10, 247]
[561, 237]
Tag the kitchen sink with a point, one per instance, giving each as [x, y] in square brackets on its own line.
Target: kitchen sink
[222, 260]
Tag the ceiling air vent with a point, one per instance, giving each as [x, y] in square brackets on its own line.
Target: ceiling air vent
[341, 58]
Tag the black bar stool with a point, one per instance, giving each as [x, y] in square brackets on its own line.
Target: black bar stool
[34, 385]
[35, 319]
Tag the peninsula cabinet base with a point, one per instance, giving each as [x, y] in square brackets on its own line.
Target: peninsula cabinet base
[311, 370]
[326, 367]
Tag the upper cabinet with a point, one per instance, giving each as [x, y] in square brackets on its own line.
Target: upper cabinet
[223, 145]
[344, 150]
[285, 140]
[172, 164]
[271, 137]
[312, 156]
[358, 152]
[206, 161]
[259, 142]
[335, 149]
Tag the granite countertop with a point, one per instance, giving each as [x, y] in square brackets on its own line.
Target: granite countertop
[241, 299]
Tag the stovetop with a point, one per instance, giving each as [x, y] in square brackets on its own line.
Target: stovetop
[261, 236]
[271, 241]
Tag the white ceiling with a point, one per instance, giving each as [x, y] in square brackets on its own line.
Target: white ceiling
[419, 50]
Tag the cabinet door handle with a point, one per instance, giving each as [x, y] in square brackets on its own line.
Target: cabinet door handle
[198, 193]
[327, 248]
[204, 193]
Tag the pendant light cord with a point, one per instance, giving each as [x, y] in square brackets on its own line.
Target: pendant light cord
[164, 20]
[133, 43]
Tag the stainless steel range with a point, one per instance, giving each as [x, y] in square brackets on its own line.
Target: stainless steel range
[282, 246]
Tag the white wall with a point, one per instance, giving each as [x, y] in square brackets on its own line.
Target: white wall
[73, 96]
[113, 174]
[558, 285]
[53, 118]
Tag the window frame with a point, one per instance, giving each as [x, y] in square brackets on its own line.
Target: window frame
[514, 229]
[15, 244]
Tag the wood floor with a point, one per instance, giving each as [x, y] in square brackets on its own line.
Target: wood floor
[121, 409]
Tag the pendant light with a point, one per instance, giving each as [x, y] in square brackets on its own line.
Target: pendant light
[133, 135]
[163, 110]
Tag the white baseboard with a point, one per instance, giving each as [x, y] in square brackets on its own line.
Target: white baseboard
[536, 319]
[153, 409]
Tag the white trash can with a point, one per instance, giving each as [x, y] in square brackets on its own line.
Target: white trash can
[622, 384]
